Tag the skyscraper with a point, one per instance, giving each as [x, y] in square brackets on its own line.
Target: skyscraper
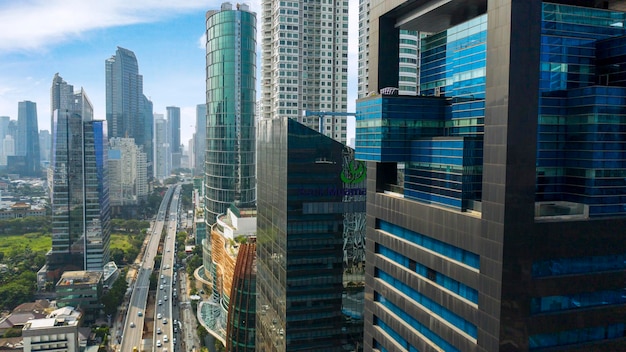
[496, 198]
[27, 141]
[80, 198]
[4, 131]
[45, 144]
[200, 139]
[310, 188]
[128, 111]
[231, 93]
[173, 125]
[162, 155]
[305, 61]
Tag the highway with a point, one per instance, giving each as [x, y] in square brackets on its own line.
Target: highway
[164, 316]
[134, 322]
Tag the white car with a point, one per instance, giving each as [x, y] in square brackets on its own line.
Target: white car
[164, 320]
[160, 302]
[132, 324]
[139, 313]
[165, 339]
[158, 331]
[159, 316]
[158, 343]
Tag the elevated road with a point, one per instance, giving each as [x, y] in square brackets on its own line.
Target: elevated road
[134, 322]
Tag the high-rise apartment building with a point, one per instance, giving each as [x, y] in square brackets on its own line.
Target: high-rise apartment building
[162, 155]
[128, 182]
[310, 222]
[173, 129]
[231, 93]
[80, 194]
[305, 62]
[496, 197]
[27, 141]
[128, 110]
[199, 138]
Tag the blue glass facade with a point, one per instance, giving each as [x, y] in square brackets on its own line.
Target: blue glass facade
[497, 199]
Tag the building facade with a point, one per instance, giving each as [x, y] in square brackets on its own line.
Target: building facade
[27, 141]
[230, 142]
[305, 61]
[307, 186]
[495, 201]
[162, 155]
[128, 180]
[199, 139]
[408, 59]
[80, 193]
[128, 110]
[82, 290]
[173, 129]
[58, 331]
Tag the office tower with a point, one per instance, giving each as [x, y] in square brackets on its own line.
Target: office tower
[173, 125]
[4, 127]
[45, 143]
[230, 83]
[305, 61]
[80, 198]
[200, 140]
[128, 181]
[496, 199]
[128, 111]
[408, 59]
[27, 141]
[310, 192]
[148, 144]
[162, 155]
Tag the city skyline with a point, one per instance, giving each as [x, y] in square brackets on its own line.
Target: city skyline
[32, 54]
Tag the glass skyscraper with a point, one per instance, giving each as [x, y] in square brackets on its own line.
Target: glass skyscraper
[128, 110]
[496, 198]
[230, 140]
[27, 141]
[309, 252]
[80, 198]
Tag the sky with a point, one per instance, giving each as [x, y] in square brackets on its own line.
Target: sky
[39, 38]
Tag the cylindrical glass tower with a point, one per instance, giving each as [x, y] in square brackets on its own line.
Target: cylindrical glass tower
[230, 96]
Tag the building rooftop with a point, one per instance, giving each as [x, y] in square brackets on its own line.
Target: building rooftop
[80, 277]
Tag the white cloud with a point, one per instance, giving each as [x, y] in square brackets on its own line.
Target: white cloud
[38, 24]
[202, 41]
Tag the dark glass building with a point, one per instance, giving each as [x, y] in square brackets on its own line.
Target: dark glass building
[305, 181]
[80, 198]
[230, 91]
[496, 199]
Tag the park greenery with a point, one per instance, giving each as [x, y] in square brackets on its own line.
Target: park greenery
[115, 296]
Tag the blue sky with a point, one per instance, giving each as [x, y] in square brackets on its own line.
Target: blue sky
[39, 38]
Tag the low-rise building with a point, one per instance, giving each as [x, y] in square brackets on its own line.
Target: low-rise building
[80, 289]
[57, 332]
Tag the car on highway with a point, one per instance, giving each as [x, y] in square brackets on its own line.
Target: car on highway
[139, 314]
[158, 331]
[161, 287]
[164, 320]
[160, 302]
[132, 324]
[165, 298]
[165, 339]
[159, 343]
[159, 316]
